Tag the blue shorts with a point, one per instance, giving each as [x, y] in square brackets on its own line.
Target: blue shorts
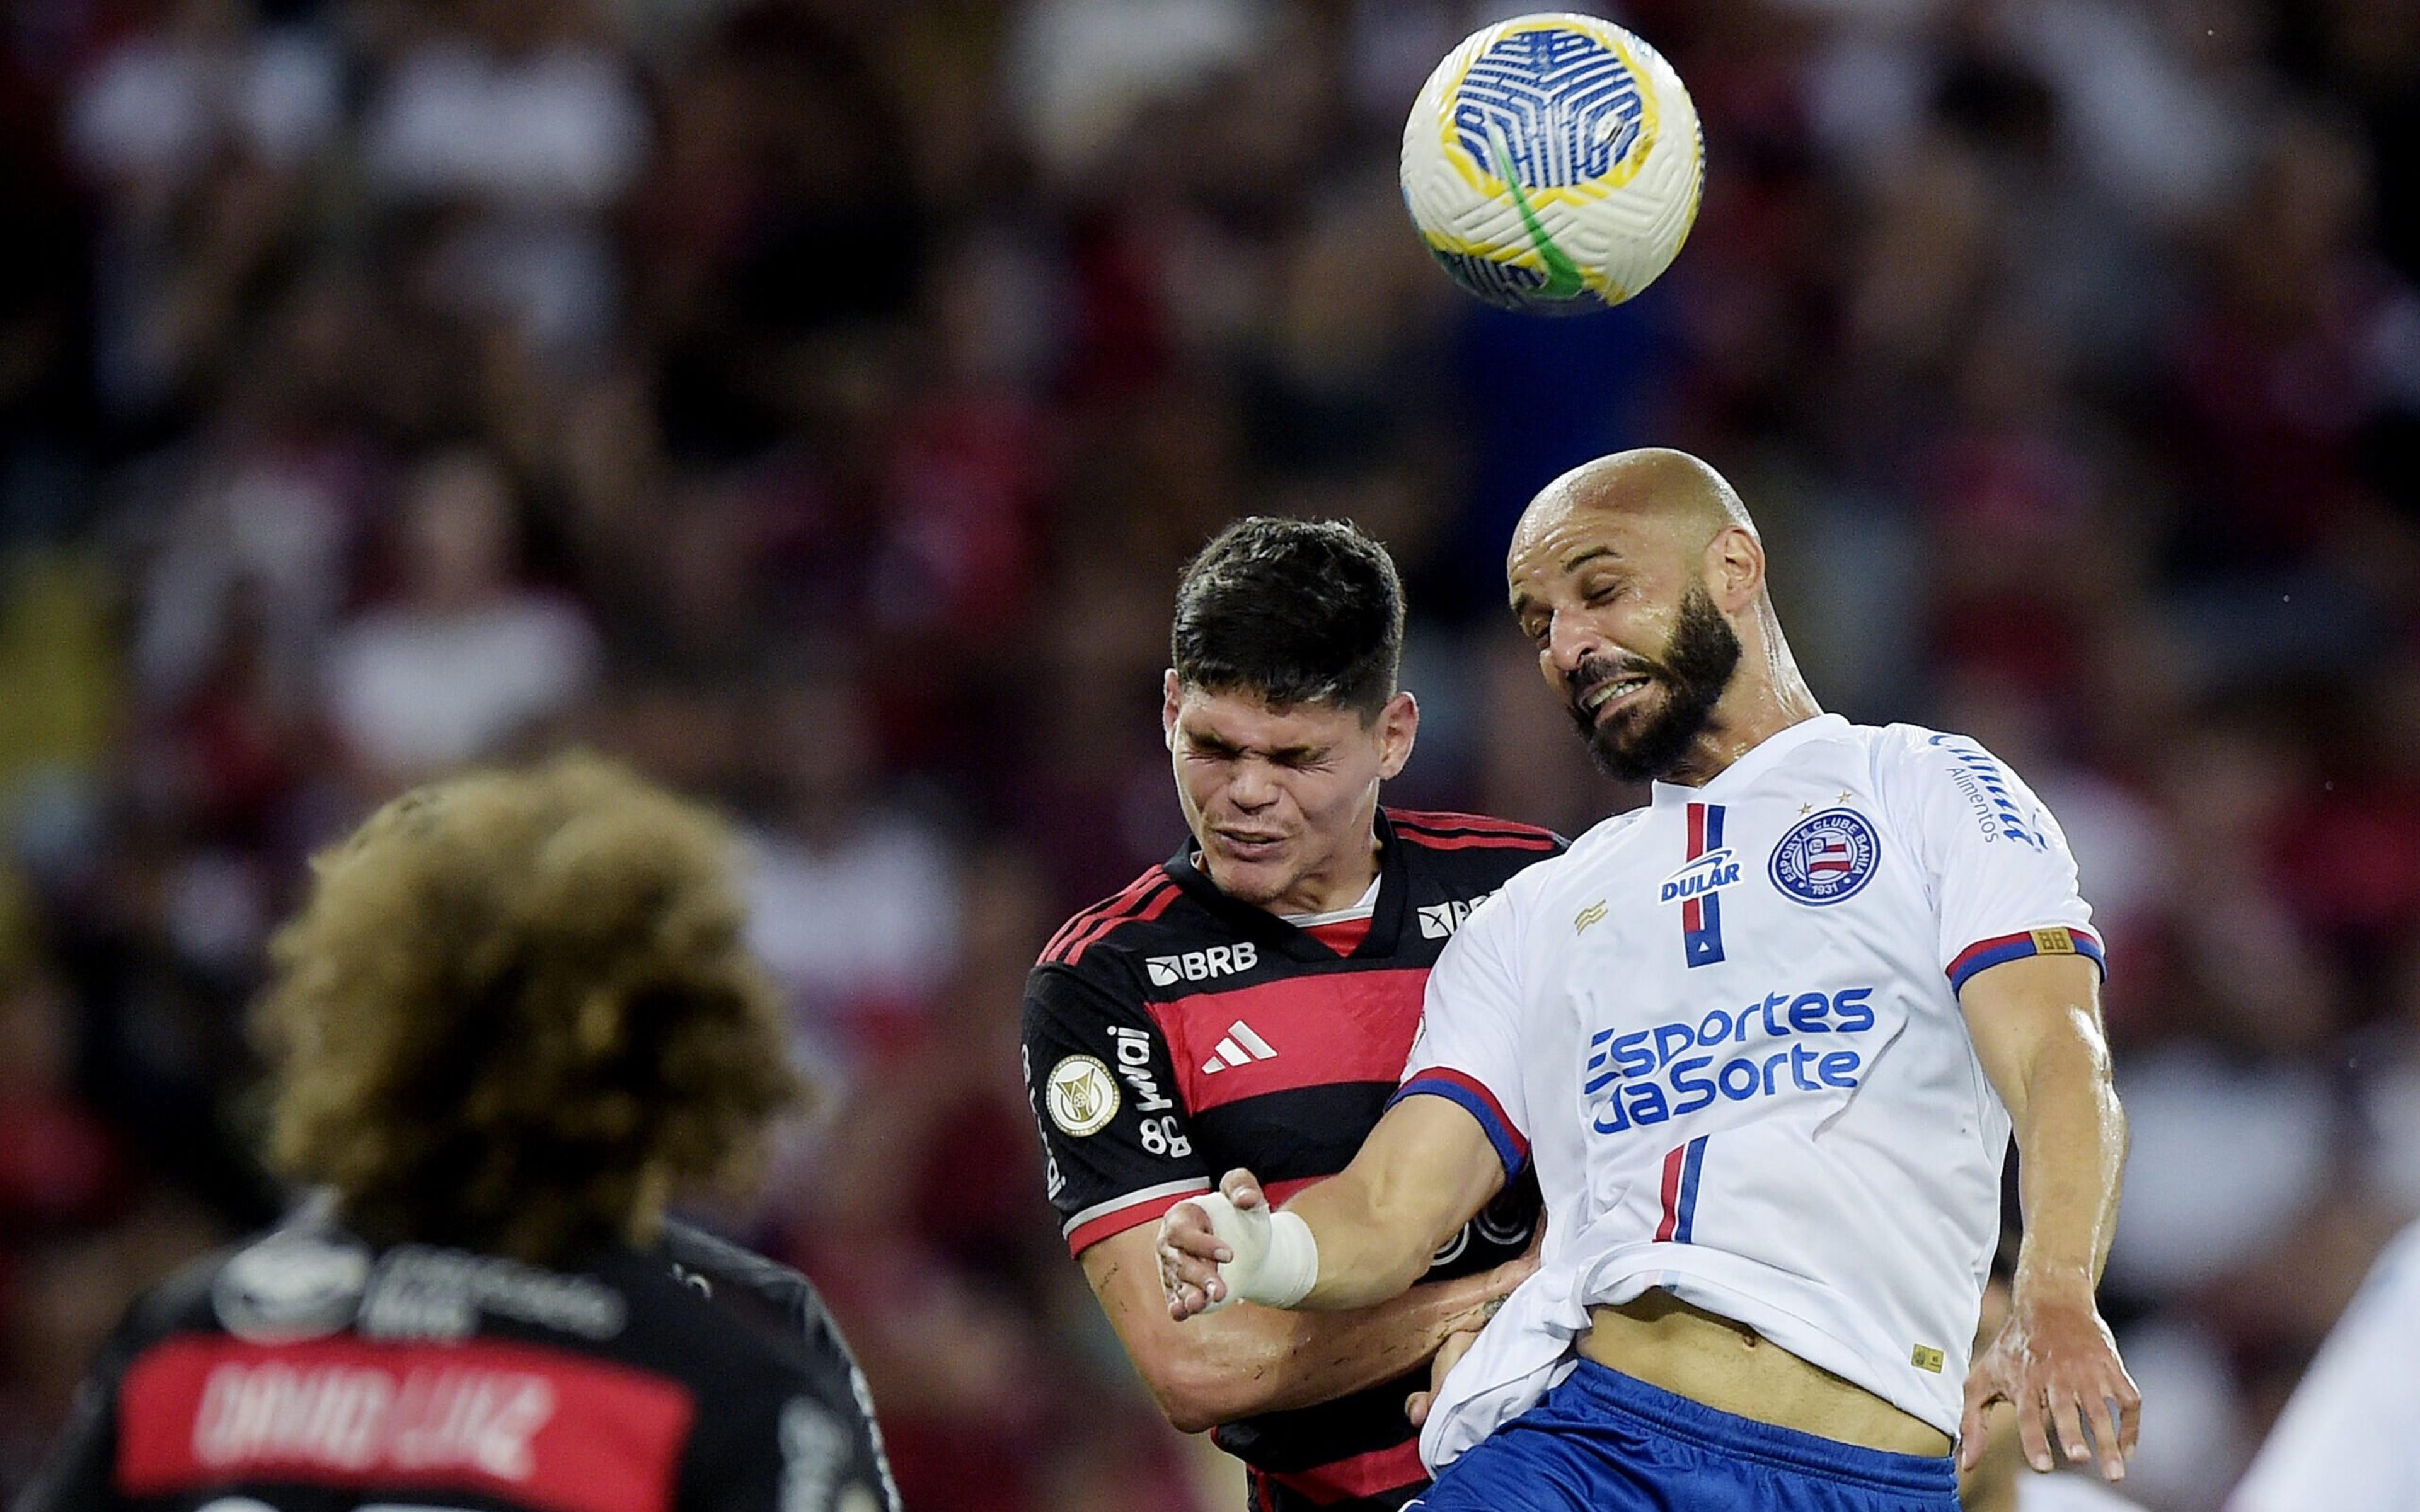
[1602, 1441]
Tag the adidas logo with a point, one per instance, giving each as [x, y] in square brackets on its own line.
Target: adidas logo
[1200, 965]
[1240, 1047]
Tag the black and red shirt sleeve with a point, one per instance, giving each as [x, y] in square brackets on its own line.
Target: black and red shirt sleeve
[1117, 1143]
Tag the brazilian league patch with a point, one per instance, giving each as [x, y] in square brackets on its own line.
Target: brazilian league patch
[1082, 1095]
[1827, 858]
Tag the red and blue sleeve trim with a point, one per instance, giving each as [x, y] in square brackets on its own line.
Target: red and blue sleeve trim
[2061, 940]
[1472, 1096]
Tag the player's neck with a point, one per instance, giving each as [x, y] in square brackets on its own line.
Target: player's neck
[1748, 714]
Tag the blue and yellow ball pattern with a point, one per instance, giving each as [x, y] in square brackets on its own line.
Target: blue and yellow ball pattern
[1553, 163]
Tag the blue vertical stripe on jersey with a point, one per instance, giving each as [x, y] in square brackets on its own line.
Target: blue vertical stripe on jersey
[1691, 1165]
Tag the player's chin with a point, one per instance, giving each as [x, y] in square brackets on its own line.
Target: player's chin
[1256, 878]
[1616, 730]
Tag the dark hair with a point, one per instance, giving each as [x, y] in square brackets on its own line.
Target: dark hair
[1295, 611]
[519, 1007]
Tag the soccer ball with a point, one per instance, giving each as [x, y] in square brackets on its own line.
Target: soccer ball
[1554, 163]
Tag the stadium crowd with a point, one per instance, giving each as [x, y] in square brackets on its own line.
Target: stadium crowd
[811, 401]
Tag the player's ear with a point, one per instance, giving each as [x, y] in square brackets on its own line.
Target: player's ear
[1399, 727]
[1171, 695]
[1734, 569]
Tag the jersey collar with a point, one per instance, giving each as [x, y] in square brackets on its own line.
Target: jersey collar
[1760, 758]
[1266, 929]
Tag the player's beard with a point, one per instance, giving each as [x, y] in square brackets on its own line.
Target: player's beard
[1649, 740]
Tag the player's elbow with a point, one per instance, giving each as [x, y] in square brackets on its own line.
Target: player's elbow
[1196, 1394]
[1187, 1413]
[1192, 1400]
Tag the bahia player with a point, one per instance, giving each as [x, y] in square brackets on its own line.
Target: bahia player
[1766, 1040]
[1252, 1001]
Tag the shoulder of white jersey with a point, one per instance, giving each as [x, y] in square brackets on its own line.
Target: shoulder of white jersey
[1921, 750]
[1539, 885]
[1914, 764]
[1604, 832]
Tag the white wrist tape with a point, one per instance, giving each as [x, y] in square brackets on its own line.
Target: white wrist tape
[1276, 1260]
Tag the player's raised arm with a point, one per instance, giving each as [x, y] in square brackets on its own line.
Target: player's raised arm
[2015, 942]
[1362, 1236]
[2036, 1022]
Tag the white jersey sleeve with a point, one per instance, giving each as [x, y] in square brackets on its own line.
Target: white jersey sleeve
[2345, 1442]
[1467, 1050]
[2002, 880]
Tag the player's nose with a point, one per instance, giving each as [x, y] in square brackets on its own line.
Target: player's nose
[1571, 641]
[1253, 787]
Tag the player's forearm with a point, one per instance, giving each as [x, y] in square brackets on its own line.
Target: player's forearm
[1373, 1244]
[2071, 1150]
[1250, 1360]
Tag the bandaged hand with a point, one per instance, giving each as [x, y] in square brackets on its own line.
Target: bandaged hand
[1228, 1246]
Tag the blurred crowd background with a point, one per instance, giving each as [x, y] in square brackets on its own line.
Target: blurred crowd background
[812, 401]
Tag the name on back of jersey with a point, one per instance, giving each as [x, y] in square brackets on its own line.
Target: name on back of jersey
[1784, 1044]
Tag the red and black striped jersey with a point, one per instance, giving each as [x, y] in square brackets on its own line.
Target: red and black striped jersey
[1172, 1033]
[306, 1370]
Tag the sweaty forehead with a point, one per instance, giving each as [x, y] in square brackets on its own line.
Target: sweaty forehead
[1557, 540]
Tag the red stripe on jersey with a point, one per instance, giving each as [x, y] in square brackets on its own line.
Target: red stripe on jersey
[1156, 905]
[1343, 936]
[1665, 1230]
[1114, 907]
[1118, 1220]
[1084, 916]
[1365, 1475]
[530, 1426]
[1440, 821]
[1296, 1031]
[1489, 841]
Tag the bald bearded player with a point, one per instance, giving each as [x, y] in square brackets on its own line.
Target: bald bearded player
[1765, 1040]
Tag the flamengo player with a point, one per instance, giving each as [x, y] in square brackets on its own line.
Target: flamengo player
[1767, 1039]
[1251, 1000]
[516, 1011]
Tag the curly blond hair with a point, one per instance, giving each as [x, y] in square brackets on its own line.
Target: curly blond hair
[516, 1011]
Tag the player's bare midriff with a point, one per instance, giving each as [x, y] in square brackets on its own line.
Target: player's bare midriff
[1726, 1365]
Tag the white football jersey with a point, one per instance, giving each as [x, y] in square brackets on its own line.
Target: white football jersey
[2346, 1440]
[1725, 1028]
